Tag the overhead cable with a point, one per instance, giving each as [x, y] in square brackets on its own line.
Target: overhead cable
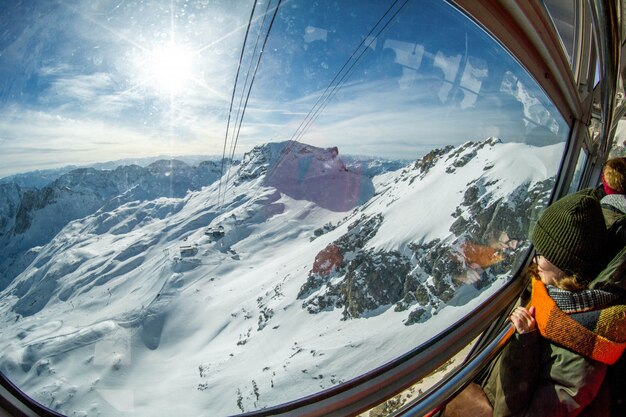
[232, 99]
[335, 85]
[245, 105]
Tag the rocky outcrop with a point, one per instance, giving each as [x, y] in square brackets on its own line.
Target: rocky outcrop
[487, 237]
[422, 166]
[9, 204]
[371, 280]
[374, 279]
[305, 172]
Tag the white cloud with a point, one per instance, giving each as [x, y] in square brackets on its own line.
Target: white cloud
[38, 140]
[81, 87]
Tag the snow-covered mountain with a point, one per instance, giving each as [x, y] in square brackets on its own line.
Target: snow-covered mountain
[30, 218]
[41, 178]
[291, 274]
[304, 172]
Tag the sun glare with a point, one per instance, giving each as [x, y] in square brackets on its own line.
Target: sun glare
[169, 68]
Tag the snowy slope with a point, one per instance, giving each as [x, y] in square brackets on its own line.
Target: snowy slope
[32, 217]
[136, 310]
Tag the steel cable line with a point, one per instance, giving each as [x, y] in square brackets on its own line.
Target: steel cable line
[239, 120]
[269, 29]
[321, 97]
[232, 99]
[349, 72]
[256, 45]
[324, 98]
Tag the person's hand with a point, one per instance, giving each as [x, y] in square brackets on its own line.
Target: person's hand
[523, 319]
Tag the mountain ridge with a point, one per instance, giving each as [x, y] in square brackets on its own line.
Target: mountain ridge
[287, 299]
[31, 217]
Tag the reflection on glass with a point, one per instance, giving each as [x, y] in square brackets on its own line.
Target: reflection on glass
[618, 148]
[578, 172]
[281, 214]
[598, 74]
[563, 15]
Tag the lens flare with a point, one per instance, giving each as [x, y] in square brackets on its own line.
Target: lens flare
[169, 68]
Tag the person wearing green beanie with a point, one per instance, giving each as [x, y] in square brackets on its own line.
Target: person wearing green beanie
[556, 362]
[572, 235]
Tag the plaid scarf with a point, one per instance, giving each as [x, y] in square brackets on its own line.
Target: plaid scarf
[571, 302]
[614, 202]
[595, 328]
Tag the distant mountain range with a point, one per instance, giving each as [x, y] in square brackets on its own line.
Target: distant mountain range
[293, 272]
[43, 177]
[31, 217]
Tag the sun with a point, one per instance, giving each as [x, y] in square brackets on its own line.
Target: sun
[168, 68]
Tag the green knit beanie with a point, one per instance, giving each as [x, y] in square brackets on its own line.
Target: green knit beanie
[572, 235]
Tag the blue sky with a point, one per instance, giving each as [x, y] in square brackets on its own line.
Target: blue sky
[84, 82]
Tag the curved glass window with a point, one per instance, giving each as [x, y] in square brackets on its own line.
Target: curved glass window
[563, 15]
[216, 207]
[618, 148]
[578, 171]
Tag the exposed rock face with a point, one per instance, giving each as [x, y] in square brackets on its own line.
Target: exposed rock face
[374, 279]
[347, 250]
[370, 279]
[487, 235]
[304, 172]
[465, 153]
[424, 164]
[9, 205]
[487, 218]
[327, 261]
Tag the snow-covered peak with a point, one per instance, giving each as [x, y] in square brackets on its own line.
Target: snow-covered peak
[305, 172]
[298, 275]
[167, 167]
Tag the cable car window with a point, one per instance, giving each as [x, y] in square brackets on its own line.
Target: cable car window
[618, 148]
[598, 74]
[563, 15]
[215, 207]
[578, 171]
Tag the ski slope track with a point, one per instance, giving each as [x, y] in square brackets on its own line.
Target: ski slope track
[320, 275]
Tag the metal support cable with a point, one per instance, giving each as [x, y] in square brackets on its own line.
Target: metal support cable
[232, 99]
[334, 86]
[347, 74]
[239, 119]
[332, 82]
[243, 112]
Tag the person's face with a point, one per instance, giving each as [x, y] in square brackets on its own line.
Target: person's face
[548, 272]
